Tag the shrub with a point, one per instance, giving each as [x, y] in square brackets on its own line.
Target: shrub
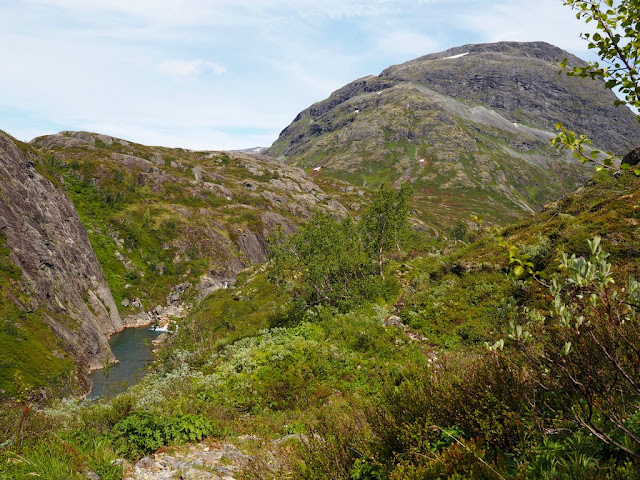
[141, 433]
[585, 355]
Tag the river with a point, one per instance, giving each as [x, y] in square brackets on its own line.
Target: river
[132, 347]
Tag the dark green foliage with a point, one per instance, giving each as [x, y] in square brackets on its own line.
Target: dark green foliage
[495, 416]
[459, 232]
[588, 349]
[617, 41]
[340, 262]
[460, 308]
[338, 446]
[47, 450]
[142, 433]
[335, 268]
[367, 469]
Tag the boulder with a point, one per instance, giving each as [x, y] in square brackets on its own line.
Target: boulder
[633, 157]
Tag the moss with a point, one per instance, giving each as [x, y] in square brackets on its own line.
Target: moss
[26, 341]
[27, 344]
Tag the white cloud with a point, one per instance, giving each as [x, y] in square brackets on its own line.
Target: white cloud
[161, 12]
[186, 68]
[120, 66]
[199, 12]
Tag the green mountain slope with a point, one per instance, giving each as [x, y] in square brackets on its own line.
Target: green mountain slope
[171, 225]
[469, 127]
[403, 389]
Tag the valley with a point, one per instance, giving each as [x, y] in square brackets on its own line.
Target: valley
[387, 292]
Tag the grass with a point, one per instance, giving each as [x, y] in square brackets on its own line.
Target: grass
[460, 309]
[254, 359]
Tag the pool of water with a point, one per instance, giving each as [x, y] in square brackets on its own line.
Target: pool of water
[132, 347]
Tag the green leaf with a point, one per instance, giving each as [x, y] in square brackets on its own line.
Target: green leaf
[518, 271]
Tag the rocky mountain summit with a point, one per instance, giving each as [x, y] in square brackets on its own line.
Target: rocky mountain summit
[521, 82]
[469, 127]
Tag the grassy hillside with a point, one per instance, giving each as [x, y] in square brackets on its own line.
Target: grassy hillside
[417, 399]
[160, 218]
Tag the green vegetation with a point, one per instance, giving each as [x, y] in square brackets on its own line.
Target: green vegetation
[116, 208]
[375, 351]
[141, 433]
[376, 401]
[386, 222]
[337, 259]
[159, 217]
[587, 347]
[617, 41]
[26, 341]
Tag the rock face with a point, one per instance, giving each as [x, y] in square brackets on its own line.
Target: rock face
[521, 82]
[632, 158]
[469, 127]
[60, 271]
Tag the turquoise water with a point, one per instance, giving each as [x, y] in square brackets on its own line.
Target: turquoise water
[132, 347]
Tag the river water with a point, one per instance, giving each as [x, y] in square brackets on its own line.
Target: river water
[132, 347]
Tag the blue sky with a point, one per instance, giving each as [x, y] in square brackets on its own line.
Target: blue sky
[226, 74]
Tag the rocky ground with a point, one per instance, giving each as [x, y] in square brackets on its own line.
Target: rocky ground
[202, 461]
[212, 459]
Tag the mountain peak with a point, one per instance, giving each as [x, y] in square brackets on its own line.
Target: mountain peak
[469, 127]
[541, 50]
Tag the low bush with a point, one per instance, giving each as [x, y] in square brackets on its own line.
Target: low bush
[142, 433]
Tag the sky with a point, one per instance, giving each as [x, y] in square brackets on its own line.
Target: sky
[227, 74]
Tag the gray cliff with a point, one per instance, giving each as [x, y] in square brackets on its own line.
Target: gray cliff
[60, 272]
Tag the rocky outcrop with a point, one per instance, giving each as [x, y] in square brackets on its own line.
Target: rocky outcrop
[632, 158]
[174, 225]
[203, 461]
[60, 271]
[521, 82]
